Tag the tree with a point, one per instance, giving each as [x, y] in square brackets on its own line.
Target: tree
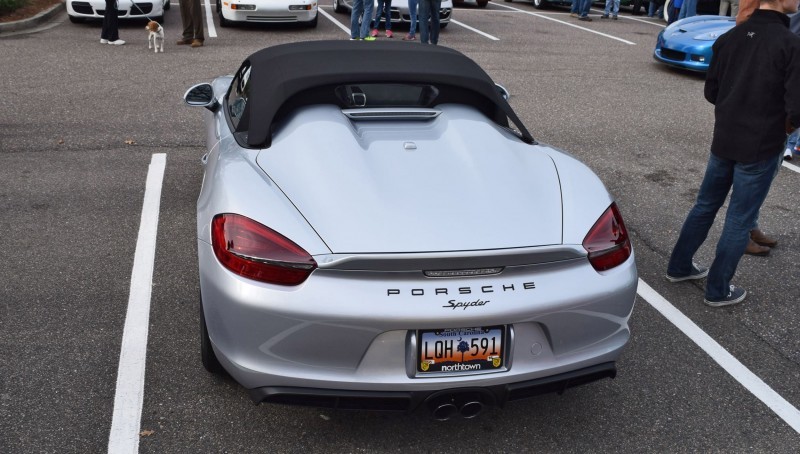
[463, 346]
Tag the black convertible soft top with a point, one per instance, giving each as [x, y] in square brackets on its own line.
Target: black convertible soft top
[288, 74]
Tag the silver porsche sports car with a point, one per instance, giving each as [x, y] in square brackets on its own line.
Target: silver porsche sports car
[376, 229]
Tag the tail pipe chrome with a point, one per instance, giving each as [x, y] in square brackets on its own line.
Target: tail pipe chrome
[465, 404]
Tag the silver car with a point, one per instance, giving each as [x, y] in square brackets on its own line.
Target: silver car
[376, 229]
[400, 12]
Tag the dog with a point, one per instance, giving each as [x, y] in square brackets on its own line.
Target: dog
[155, 37]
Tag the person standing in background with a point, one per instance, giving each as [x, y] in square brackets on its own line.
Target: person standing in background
[110, 31]
[385, 10]
[656, 8]
[723, 7]
[412, 26]
[612, 7]
[192, 19]
[688, 9]
[754, 83]
[360, 20]
[429, 17]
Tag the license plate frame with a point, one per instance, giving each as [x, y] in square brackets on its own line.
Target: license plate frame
[461, 350]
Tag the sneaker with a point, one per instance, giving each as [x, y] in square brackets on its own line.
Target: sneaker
[604, 16]
[389, 34]
[370, 38]
[105, 41]
[787, 155]
[614, 18]
[409, 37]
[573, 14]
[698, 272]
[374, 33]
[735, 295]
[118, 42]
[585, 18]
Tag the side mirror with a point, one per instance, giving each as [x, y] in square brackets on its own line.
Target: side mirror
[503, 91]
[201, 95]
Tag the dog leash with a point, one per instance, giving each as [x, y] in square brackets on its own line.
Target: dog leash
[140, 10]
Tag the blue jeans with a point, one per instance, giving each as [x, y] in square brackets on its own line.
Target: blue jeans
[750, 183]
[429, 11]
[688, 9]
[362, 10]
[384, 9]
[608, 9]
[793, 139]
[412, 11]
[652, 9]
[584, 7]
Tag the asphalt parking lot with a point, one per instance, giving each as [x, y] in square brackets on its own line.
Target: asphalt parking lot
[82, 124]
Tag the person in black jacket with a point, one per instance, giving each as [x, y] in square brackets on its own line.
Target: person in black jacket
[109, 34]
[754, 83]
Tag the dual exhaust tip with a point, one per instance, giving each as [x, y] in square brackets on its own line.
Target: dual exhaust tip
[466, 405]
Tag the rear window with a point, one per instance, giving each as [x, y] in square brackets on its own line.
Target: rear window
[386, 95]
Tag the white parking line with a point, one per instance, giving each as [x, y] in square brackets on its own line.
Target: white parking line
[334, 20]
[737, 370]
[124, 436]
[212, 32]
[474, 30]
[791, 167]
[568, 24]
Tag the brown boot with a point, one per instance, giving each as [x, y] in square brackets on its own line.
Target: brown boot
[754, 248]
[197, 43]
[759, 237]
[183, 41]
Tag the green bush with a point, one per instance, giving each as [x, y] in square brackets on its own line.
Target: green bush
[7, 6]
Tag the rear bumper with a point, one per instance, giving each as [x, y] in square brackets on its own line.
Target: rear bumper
[409, 401]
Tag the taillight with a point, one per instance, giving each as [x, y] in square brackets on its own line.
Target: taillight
[257, 252]
[607, 242]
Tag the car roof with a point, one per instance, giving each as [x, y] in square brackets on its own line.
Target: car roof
[280, 73]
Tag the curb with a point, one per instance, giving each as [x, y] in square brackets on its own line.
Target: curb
[23, 24]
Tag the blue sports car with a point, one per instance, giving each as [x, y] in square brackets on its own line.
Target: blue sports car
[687, 43]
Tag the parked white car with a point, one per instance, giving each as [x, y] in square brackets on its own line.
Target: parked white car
[80, 10]
[268, 11]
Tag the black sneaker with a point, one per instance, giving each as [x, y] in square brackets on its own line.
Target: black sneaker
[604, 16]
[585, 18]
[735, 295]
[698, 272]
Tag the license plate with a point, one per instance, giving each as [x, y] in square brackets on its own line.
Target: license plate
[460, 349]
